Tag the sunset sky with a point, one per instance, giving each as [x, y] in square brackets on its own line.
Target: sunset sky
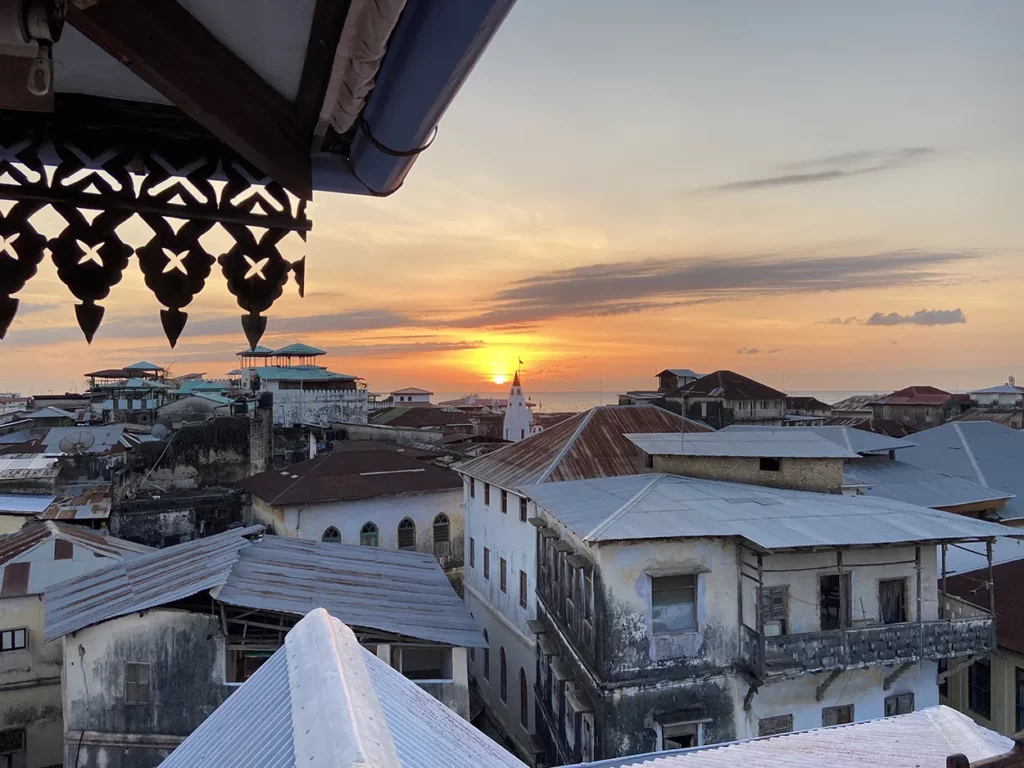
[821, 194]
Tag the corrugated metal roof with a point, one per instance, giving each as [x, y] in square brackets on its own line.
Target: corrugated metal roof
[81, 502]
[782, 442]
[23, 503]
[657, 506]
[393, 591]
[298, 373]
[980, 451]
[1002, 389]
[590, 444]
[686, 373]
[731, 386]
[857, 440]
[16, 437]
[918, 395]
[921, 739]
[27, 466]
[300, 349]
[905, 482]
[143, 366]
[103, 438]
[321, 700]
[50, 412]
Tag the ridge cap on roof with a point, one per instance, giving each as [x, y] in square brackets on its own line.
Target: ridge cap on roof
[568, 444]
[626, 507]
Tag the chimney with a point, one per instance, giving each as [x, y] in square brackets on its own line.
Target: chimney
[261, 434]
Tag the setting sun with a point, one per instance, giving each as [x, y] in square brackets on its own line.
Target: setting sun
[499, 378]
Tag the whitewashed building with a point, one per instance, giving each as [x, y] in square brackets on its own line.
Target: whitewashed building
[368, 493]
[1007, 395]
[32, 560]
[411, 395]
[678, 611]
[500, 545]
[518, 421]
[304, 392]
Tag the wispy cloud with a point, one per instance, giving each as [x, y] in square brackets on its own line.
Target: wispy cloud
[653, 284]
[832, 168]
[756, 351]
[921, 317]
[840, 321]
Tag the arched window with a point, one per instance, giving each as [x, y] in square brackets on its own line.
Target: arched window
[368, 535]
[504, 676]
[441, 527]
[524, 699]
[332, 535]
[407, 534]
[487, 657]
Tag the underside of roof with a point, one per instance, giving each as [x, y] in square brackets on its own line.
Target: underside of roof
[227, 114]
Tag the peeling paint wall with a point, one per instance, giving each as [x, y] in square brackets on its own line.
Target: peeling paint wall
[297, 406]
[164, 519]
[186, 654]
[821, 475]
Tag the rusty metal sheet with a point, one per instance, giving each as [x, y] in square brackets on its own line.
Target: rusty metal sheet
[15, 581]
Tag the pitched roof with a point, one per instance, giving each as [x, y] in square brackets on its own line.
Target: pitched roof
[322, 700]
[348, 475]
[30, 561]
[299, 349]
[109, 373]
[412, 391]
[590, 444]
[807, 404]
[102, 438]
[1008, 418]
[985, 453]
[685, 373]
[771, 442]
[80, 502]
[901, 481]
[731, 386]
[143, 366]
[1002, 389]
[24, 503]
[50, 412]
[257, 351]
[917, 395]
[856, 403]
[921, 739]
[394, 591]
[420, 418]
[857, 440]
[886, 427]
[659, 506]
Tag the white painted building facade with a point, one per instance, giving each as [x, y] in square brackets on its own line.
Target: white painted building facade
[1007, 395]
[411, 395]
[311, 397]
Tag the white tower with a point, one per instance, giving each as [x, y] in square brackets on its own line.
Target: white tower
[518, 415]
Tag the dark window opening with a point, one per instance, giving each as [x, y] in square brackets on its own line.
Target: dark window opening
[332, 535]
[944, 685]
[1019, 699]
[504, 502]
[522, 588]
[487, 656]
[681, 736]
[407, 534]
[441, 533]
[504, 675]
[136, 683]
[648, 461]
[472, 488]
[369, 536]
[522, 510]
[503, 568]
[830, 600]
[12, 747]
[892, 600]
[901, 704]
[773, 726]
[524, 699]
[979, 685]
[837, 715]
[487, 494]
[472, 552]
[770, 465]
[487, 563]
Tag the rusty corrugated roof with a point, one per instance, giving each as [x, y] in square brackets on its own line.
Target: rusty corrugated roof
[85, 502]
[918, 395]
[589, 445]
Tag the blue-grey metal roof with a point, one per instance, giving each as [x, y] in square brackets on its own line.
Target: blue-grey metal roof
[299, 349]
[103, 438]
[16, 437]
[985, 453]
[1002, 389]
[24, 503]
[658, 506]
[921, 739]
[857, 440]
[143, 366]
[901, 481]
[783, 442]
[298, 373]
[322, 700]
[393, 591]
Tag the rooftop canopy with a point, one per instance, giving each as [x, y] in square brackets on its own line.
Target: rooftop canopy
[275, 99]
[299, 350]
[257, 351]
[143, 366]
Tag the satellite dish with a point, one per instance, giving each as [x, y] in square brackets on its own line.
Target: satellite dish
[159, 431]
[77, 443]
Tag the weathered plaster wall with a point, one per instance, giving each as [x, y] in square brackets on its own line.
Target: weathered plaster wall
[354, 432]
[297, 406]
[505, 620]
[187, 658]
[821, 475]
[30, 683]
[160, 520]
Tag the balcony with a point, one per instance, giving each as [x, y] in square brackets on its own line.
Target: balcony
[884, 644]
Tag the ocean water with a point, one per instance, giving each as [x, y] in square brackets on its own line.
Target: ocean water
[553, 402]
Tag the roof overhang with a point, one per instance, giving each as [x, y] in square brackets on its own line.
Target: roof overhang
[225, 114]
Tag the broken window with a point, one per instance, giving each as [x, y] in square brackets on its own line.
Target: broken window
[830, 600]
[369, 536]
[407, 534]
[332, 535]
[837, 715]
[900, 704]
[680, 735]
[674, 604]
[773, 726]
[13, 639]
[136, 683]
[892, 600]
[774, 609]
[979, 685]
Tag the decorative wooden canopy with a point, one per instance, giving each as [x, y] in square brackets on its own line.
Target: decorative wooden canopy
[171, 111]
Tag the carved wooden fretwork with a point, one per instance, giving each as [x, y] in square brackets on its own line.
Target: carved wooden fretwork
[181, 188]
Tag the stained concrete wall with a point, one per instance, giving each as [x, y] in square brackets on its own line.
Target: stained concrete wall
[401, 435]
[297, 406]
[187, 656]
[821, 475]
[30, 683]
[159, 520]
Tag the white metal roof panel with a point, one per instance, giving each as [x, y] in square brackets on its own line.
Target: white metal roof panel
[323, 700]
[857, 440]
[23, 503]
[921, 739]
[785, 442]
[656, 506]
[901, 481]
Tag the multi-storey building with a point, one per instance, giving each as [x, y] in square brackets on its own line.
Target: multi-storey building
[725, 397]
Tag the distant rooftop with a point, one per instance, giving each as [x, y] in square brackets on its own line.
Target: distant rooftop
[412, 391]
[685, 373]
[299, 373]
[856, 403]
[660, 506]
[731, 386]
[258, 351]
[1002, 389]
[299, 350]
[916, 395]
[144, 366]
[901, 481]
[857, 440]
[769, 442]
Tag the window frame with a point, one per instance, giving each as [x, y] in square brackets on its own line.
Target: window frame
[365, 534]
[904, 597]
[487, 564]
[503, 575]
[523, 586]
[13, 634]
[487, 494]
[769, 616]
[1019, 698]
[524, 699]
[770, 464]
[472, 488]
[975, 688]
[695, 587]
[472, 552]
[503, 673]
[524, 512]
[504, 501]
[837, 711]
[776, 725]
[405, 525]
[334, 534]
[23, 747]
[139, 666]
[846, 583]
[897, 704]
[487, 657]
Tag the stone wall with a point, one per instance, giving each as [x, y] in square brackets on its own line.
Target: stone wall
[160, 520]
[820, 475]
